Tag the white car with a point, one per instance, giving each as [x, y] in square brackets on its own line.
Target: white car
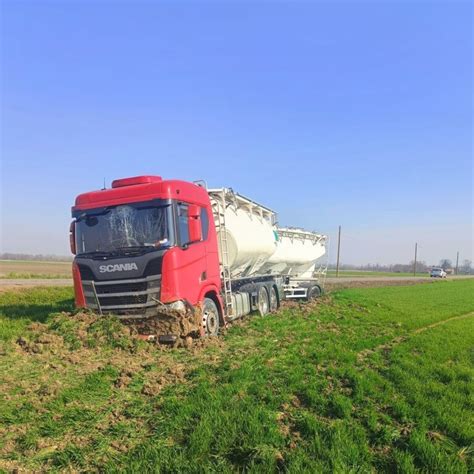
[438, 273]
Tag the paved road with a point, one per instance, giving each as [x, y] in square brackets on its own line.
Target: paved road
[350, 282]
[331, 282]
[394, 278]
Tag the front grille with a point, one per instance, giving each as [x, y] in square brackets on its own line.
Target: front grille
[121, 287]
[122, 300]
[123, 297]
[153, 267]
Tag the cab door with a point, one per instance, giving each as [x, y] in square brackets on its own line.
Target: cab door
[191, 254]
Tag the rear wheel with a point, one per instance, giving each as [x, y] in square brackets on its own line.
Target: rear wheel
[273, 300]
[313, 292]
[263, 301]
[210, 317]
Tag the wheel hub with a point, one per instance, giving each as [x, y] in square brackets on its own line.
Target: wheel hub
[209, 322]
[263, 301]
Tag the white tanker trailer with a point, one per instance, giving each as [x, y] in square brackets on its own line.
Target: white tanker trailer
[253, 249]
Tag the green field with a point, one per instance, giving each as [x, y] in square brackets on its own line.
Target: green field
[27, 269]
[363, 273]
[30, 276]
[363, 380]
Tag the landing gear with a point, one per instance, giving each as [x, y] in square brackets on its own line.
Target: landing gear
[263, 301]
[210, 318]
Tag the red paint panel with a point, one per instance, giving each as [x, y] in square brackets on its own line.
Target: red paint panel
[80, 300]
[182, 271]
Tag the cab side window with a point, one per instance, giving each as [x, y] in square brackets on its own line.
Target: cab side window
[204, 223]
[183, 227]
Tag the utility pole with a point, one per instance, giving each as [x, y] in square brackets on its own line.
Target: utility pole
[414, 263]
[457, 263]
[338, 251]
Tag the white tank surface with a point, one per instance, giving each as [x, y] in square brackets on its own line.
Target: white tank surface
[297, 246]
[249, 233]
[296, 252]
[255, 245]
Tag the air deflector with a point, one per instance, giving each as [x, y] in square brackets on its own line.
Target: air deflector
[120, 183]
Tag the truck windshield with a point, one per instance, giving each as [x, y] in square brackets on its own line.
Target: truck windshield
[121, 229]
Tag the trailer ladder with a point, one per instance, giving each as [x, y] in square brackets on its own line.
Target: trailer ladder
[220, 206]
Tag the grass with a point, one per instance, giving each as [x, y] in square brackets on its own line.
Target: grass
[21, 307]
[28, 276]
[364, 273]
[34, 269]
[364, 380]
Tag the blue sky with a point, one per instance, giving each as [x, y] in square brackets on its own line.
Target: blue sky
[354, 113]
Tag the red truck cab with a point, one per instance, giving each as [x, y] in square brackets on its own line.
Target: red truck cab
[144, 243]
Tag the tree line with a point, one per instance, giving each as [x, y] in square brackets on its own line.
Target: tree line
[465, 268]
[34, 257]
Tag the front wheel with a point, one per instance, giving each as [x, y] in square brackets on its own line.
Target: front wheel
[210, 318]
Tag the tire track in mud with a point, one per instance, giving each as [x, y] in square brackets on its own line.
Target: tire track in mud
[440, 323]
[362, 355]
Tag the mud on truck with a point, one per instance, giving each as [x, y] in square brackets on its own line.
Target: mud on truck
[178, 260]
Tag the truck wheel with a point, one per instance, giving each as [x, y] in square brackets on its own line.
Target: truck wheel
[313, 292]
[263, 302]
[210, 317]
[273, 300]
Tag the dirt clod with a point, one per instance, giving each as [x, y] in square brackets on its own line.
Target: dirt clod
[124, 378]
[181, 323]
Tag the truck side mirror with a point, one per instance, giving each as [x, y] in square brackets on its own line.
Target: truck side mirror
[72, 237]
[194, 223]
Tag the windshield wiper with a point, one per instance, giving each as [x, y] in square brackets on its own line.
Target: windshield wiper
[95, 253]
[120, 251]
[135, 248]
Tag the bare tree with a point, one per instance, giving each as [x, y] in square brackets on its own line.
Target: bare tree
[445, 264]
[466, 267]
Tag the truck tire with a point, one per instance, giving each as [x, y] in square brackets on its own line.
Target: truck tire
[313, 292]
[273, 300]
[263, 301]
[210, 318]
